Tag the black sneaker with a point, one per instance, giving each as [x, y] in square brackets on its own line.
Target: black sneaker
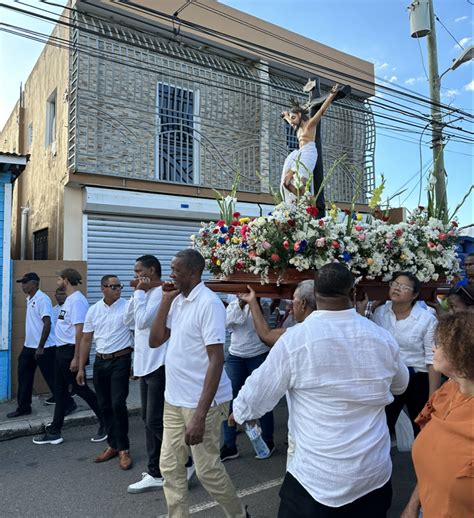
[100, 436]
[229, 453]
[72, 408]
[50, 401]
[18, 413]
[48, 438]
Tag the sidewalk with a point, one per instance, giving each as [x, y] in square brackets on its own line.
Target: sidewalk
[42, 414]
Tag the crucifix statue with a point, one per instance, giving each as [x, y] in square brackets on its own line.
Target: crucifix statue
[307, 159]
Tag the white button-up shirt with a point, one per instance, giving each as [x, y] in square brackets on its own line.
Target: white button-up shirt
[340, 371]
[106, 322]
[195, 322]
[414, 334]
[244, 341]
[139, 314]
[37, 307]
[73, 312]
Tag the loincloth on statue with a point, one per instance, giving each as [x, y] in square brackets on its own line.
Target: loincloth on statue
[302, 161]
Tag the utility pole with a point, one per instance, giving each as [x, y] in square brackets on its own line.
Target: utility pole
[436, 121]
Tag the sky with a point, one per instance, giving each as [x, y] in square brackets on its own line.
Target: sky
[374, 30]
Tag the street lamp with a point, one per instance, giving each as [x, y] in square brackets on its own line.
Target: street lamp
[465, 56]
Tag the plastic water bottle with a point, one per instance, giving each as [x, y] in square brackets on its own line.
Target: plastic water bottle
[254, 433]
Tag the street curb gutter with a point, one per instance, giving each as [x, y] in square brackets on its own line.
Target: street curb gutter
[26, 427]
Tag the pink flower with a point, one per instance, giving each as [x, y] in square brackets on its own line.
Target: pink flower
[266, 245]
[442, 237]
[431, 245]
[321, 242]
[275, 258]
[335, 244]
[358, 228]
[361, 237]
[296, 246]
[286, 245]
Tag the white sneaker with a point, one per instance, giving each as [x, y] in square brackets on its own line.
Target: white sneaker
[147, 483]
[190, 470]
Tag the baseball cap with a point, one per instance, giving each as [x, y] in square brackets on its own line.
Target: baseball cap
[72, 275]
[31, 276]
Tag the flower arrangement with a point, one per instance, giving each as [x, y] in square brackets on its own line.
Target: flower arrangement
[292, 236]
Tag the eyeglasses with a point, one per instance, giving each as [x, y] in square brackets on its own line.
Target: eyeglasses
[113, 286]
[402, 287]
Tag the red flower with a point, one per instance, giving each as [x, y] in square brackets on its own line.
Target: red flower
[220, 223]
[321, 222]
[291, 222]
[442, 237]
[236, 215]
[215, 230]
[313, 211]
[275, 258]
[454, 224]
[385, 218]
[235, 223]
[204, 242]
[230, 230]
[286, 245]
[347, 212]
[239, 265]
[336, 244]
[398, 232]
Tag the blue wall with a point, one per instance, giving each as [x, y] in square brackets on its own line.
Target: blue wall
[5, 381]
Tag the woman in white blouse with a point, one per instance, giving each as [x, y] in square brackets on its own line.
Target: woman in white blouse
[413, 327]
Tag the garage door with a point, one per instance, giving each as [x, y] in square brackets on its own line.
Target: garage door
[114, 242]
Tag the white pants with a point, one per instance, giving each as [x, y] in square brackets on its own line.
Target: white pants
[302, 161]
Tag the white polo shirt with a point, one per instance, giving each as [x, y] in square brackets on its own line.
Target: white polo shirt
[37, 307]
[72, 312]
[195, 322]
[139, 314]
[106, 322]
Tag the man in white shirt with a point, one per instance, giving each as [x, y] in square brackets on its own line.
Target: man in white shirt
[198, 390]
[39, 346]
[68, 339]
[339, 371]
[113, 359]
[148, 364]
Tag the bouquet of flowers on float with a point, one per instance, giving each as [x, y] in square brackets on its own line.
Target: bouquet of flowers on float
[292, 236]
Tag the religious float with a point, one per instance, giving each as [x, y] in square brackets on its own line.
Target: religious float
[273, 252]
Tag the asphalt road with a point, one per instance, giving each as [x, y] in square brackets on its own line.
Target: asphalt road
[62, 481]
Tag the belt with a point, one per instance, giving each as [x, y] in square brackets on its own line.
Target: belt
[111, 356]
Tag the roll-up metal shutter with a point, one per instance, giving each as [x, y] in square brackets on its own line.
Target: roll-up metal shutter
[114, 242]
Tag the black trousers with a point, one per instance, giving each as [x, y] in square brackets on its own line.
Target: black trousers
[27, 363]
[415, 397]
[296, 502]
[111, 378]
[65, 379]
[152, 392]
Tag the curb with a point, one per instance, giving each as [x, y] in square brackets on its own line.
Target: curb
[35, 425]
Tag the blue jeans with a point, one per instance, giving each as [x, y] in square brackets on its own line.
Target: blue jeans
[239, 369]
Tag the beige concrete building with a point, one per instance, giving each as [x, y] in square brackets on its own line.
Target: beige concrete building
[132, 116]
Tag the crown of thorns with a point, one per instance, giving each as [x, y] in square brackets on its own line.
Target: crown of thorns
[295, 105]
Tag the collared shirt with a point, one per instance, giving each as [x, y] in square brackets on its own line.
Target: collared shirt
[340, 371]
[139, 314]
[106, 322]
[244, 341]
[37, 307]
[72, 312]
[195, 321]
[414, 334]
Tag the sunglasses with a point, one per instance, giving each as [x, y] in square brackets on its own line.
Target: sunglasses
[113, 286]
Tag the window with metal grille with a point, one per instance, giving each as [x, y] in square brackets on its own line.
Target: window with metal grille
[291, 138]
[40, 245]
[177, 146]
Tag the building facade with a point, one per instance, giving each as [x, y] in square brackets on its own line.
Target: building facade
[131, 122]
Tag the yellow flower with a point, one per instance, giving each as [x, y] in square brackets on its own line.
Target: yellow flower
[359, 217]
[333, 211]
[218, 262]
[244, 220]
[235, 240]
[403, 257]
[370, 261]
